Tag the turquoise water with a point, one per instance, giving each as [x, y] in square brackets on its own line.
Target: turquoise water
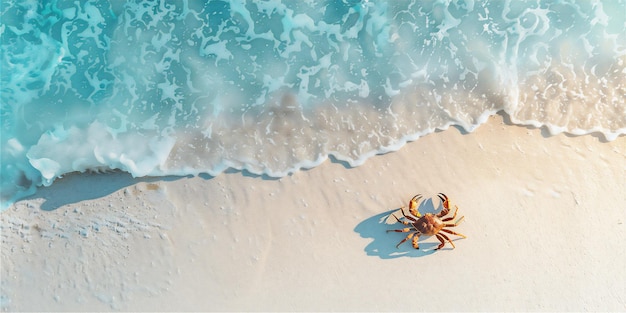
[189, 87]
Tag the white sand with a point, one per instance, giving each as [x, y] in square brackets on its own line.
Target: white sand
[544, 216]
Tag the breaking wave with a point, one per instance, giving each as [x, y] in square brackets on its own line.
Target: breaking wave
[189, 87]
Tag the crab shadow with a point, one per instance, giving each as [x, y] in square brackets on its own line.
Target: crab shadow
[384, 243]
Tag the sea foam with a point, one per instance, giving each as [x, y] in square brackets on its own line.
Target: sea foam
[189, 87]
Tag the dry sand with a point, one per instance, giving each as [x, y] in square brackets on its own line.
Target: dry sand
[544, 218]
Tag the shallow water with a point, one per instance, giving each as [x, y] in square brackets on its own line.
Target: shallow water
[178, 88]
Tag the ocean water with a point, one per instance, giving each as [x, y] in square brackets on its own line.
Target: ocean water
[189, 87]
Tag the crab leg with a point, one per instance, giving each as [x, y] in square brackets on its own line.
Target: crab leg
[403, 230]
[415, 241]
[456, 208]
[403, 222]
[448, 239]
[443, 242]
[407, 238]
[451, 232]
[406, 216]
[455, 223]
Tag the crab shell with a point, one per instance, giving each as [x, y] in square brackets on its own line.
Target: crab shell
[429, 224]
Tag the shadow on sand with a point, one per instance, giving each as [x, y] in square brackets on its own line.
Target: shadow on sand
[384, 243]
[77, 187]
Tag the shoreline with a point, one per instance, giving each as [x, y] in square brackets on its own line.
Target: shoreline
[313, 240]
[545, 130]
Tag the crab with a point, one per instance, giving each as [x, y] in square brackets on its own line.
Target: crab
[428, 224]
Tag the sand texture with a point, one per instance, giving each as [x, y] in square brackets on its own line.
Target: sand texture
[544, 218]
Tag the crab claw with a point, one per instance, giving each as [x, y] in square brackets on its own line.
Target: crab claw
[444, 198]
[413, 202]
[413, 205]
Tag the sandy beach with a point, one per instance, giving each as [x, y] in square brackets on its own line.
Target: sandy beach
[545, 220]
